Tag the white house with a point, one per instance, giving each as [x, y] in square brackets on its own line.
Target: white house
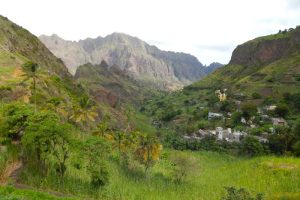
[212, 115]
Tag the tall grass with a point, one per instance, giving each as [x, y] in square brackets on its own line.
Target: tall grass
[273, 176]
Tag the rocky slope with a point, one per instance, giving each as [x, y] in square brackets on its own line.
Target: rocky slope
[135, 57]
[111, 85]
[266, 49]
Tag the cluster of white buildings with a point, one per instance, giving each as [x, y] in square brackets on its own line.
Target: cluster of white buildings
[221, 134]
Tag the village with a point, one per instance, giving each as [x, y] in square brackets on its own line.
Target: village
[236, 135]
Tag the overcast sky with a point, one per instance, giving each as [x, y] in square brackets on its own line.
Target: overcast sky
[208, 29]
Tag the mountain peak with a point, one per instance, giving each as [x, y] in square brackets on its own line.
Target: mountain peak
[132, 55]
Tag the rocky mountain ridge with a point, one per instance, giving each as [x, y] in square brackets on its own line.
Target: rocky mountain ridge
[134, 56]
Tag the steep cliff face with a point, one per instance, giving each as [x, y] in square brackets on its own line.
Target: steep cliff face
[266, 49]
[135, 57]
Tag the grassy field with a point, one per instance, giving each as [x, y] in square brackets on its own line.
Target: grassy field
[277, 178]
[10, 193]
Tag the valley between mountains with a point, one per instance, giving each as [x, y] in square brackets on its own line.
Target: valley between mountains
[117, 118]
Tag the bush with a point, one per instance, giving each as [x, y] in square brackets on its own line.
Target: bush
[100, 177]
[96, 152]
[184, 166]
[250, 146]
[240, 194]
[16, 115]
[282, 110]
[256, 95]
[248, 110]
[296, 148]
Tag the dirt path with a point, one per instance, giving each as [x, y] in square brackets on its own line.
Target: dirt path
[11, 172]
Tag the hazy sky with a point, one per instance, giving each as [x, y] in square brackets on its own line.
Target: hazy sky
[208, 29]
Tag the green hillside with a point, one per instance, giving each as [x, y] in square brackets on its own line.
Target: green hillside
[263, 71]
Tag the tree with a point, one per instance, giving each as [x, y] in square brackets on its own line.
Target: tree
[236, 118]
[85, 112]
[148, 150]
[49, 139]
[281, 142]
[96, 151]
[16, 116]
[296, 129]
[282, 110]
[30, 72]
[102, 127]
[296, 148]
[250, 146]
[248, 110]
[240, 194]
[184, 166]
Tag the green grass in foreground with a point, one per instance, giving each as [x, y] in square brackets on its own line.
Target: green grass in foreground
[277, 178]
[10, 193]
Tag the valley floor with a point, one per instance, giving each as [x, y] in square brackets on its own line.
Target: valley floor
[275, 177]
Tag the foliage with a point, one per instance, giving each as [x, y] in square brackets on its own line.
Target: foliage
[251, 146]
[282, 110]
[47, 139]
[16, 115]
[85, 113]
[248, 110]
[96, 152]
[30, 72]
[240, 194]
[184, 166]
[296, 148]
[256, 95]
[236, 118]
[148, 150]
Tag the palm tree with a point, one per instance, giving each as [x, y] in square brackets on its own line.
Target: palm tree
[148, 151]
[30, 72]
[85, 112]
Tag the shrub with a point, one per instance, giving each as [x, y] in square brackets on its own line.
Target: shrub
[96, 152]
[256, 95]
[248, 110]
[296, 148]
[240, 194]
[250, 146]
[16, 115]
[184, 166]
[282, 110]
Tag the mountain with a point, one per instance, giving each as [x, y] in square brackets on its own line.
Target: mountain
[111, 85]
[17, 45]
[212, 67]
[262, 71]
[135, 57]
[55, 85]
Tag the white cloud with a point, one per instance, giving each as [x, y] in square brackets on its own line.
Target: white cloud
[209, 29]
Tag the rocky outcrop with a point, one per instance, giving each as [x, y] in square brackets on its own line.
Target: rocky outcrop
[266, 49]
[133, 56]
